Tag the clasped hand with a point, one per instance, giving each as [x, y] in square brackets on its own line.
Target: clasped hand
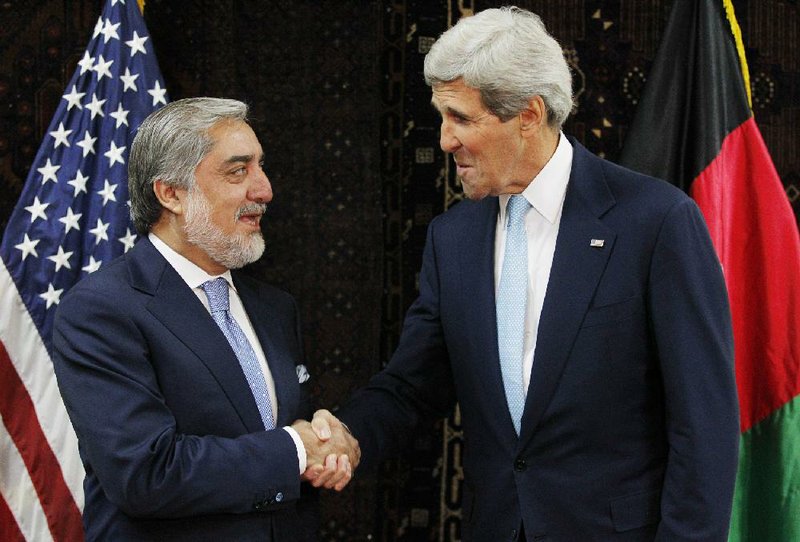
[332, 452]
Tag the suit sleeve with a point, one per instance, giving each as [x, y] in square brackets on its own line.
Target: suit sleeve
[417, 383]
[129, 437]
[691, 323]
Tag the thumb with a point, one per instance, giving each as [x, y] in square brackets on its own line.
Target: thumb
[321, 424]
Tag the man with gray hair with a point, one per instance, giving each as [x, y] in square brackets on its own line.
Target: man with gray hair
[574, 309]
[184, 380]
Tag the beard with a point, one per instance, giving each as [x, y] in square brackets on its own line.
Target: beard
[233, 251]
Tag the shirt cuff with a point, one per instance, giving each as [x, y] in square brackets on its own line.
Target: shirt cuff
[301, 450]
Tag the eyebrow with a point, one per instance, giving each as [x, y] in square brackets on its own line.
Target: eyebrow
[450, 111]
[235, 159]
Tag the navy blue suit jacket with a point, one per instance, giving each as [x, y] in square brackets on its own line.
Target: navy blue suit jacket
[169, 432]
[630, 428]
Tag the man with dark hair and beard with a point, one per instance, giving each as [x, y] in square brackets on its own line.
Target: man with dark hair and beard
[184, 380]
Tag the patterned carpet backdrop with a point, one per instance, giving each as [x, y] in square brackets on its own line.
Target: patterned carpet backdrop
[351, 144]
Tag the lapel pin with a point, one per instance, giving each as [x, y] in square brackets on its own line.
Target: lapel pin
[597, 243]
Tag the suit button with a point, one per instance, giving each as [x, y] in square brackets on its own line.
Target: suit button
[279, 497]
[520, 465]
[513, 535]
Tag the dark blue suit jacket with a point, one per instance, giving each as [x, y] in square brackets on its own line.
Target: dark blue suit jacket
[169, 432]
[630, 429]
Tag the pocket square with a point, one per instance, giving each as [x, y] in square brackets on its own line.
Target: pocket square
[302, 373]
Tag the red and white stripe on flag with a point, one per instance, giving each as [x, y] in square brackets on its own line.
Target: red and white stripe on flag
[41, 475]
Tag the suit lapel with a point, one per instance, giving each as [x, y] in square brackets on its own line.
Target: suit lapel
[179, 310]
[574, 276]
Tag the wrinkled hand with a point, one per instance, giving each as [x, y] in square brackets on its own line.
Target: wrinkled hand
[332, 452]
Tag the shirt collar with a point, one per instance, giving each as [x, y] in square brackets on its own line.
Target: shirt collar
[546, 191]
[191, 273]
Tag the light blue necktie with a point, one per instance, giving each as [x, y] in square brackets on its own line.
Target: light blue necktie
[217, 292]
[512, 296]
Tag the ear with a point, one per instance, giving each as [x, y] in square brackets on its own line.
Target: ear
[170, 197]
[533, 118]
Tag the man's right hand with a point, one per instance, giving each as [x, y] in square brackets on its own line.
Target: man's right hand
[332, 452]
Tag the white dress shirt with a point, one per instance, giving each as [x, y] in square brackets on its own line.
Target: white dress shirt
[194, 277]
[546, 195]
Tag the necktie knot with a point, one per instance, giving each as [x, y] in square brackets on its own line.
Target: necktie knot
[517, 208]
[217, 293]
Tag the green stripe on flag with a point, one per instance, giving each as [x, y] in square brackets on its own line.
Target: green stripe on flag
[766, 504]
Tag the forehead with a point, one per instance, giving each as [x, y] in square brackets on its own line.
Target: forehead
[455, 94]
[233, 137]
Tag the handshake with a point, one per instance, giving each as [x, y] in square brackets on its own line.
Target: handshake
[332, 453]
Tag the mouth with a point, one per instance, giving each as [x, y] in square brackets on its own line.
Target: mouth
[461, 162]
[253, 220]
[250, 215]
[462, 169]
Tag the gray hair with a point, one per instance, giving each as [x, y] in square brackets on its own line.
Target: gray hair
[508, 55]
[169, 145]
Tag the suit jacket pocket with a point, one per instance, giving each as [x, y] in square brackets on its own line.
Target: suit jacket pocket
[613, 312]
[636, 510]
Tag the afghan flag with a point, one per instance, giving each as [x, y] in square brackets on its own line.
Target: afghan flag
[694, 127]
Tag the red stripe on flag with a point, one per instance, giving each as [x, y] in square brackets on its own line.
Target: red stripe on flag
[754, 231]
[19, 415]
[9, 530]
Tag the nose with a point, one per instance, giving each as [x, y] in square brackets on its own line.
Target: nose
[447, 140]
[261, 189]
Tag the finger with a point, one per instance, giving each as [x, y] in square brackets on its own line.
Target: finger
[329, 471]
[312, 472]
[331, 463]
[347, 473]
[340, 478]
[335, 469]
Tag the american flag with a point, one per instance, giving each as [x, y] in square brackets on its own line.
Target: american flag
[71, 218]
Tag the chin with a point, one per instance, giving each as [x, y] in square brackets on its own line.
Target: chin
[475, 193]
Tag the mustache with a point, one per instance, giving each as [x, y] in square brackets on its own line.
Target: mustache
[251, 208]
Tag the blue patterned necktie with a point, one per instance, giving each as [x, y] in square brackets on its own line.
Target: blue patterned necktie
[512, 296]
[217, 292]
